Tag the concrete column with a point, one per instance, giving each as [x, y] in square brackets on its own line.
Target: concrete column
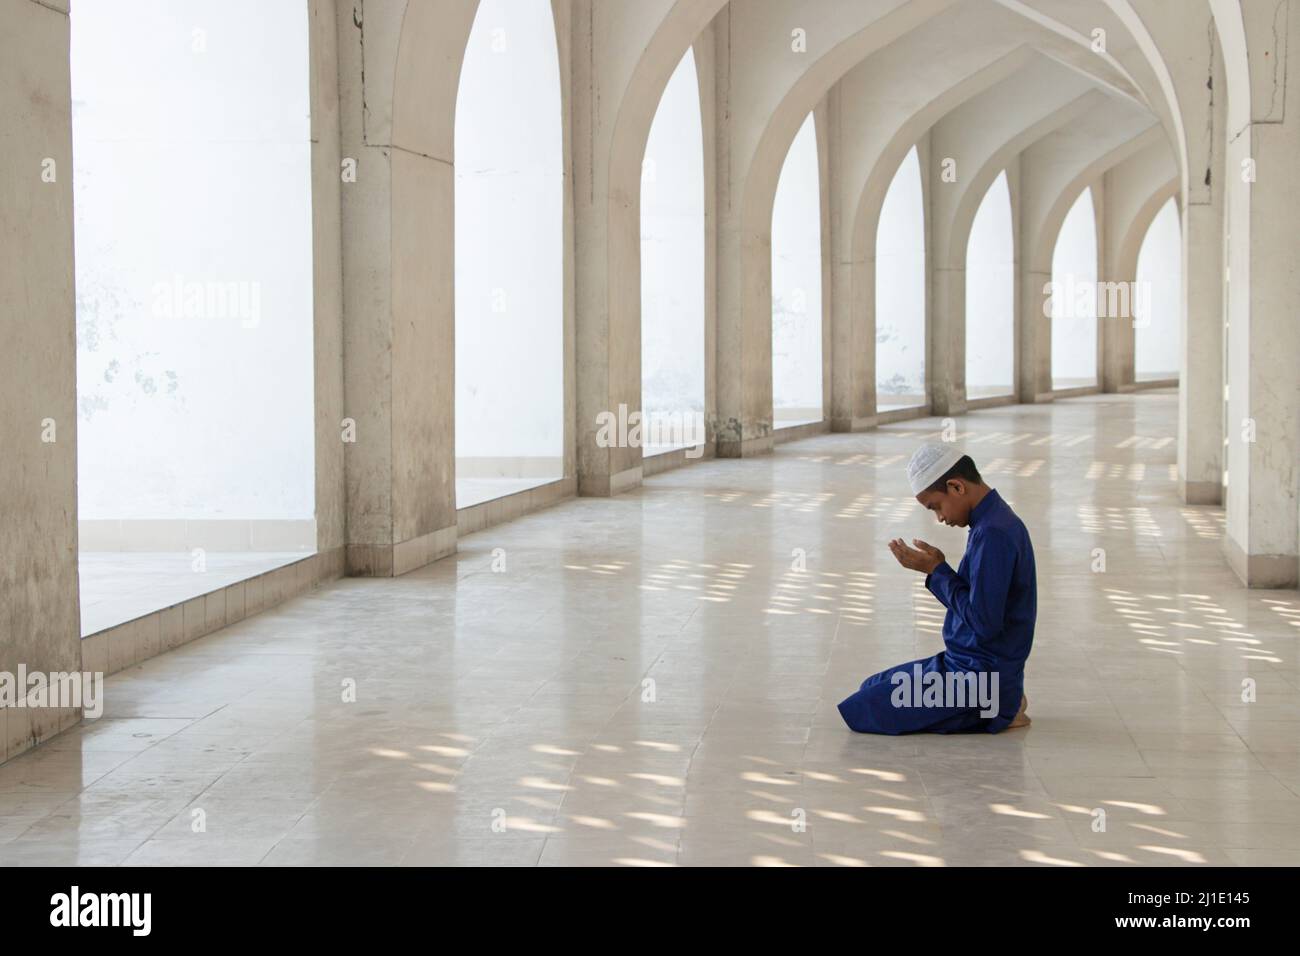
[1203, 95]
[1259, 42]
[1188, 41]
[704, 49]
[1200, 391]
[744, 357]
[938, 350]
[608, 262]
[1115, 333]
[1012, 167]
[399, 66]
[945, 365]
[327, 279]
[40, 625]
[822, 122]
[852, 343]
[1033, 334]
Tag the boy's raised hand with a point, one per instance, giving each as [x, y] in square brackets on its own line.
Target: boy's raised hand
[925, 557]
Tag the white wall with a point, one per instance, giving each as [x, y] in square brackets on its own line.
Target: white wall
[900, 289]
[1159, 277]
[797, 283]
[1074, 305]
[672, 250]
[192, 179]
[990, 295]
[509, 237]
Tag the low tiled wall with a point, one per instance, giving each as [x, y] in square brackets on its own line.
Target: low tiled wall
[116, 648]
[795, 432]
[668, 460]
[486, 514]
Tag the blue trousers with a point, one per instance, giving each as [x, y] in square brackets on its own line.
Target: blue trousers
[872, 709]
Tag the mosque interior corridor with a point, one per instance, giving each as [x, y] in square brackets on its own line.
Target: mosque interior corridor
[651, 680]
[489, 433]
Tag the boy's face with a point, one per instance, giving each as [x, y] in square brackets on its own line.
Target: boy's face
[950, 507]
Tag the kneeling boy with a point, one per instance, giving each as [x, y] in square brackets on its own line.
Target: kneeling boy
[992, 602]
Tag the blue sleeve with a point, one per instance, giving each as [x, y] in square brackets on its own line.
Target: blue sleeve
[980, 598]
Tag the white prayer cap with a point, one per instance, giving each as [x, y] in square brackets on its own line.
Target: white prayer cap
[930, 463]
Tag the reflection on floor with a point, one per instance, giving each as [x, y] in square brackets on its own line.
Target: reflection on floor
[651, 679]
[120, 586]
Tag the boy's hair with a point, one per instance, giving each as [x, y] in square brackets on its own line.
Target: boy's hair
[964, 469]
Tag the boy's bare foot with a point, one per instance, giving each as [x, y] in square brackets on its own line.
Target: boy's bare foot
[1022, 715]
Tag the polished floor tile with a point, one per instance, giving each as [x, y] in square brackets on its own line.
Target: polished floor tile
[651, 680]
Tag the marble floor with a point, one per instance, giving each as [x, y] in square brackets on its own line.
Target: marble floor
[652, 680]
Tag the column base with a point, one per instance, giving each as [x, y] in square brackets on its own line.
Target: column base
[855, 424]
[1200, 492]
[1262, 570]
[393, 560]
[606, 486]
[748, 448]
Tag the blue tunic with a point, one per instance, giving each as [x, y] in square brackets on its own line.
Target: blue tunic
[992, 602]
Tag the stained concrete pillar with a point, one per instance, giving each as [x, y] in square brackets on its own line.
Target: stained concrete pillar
[744, 343]
[1186, 37]
[1261, 47]
[852, 341]
[705, 50]
[933, 345]
[945, 366]
[608, 261]
[1115, 327]
[1203, 97]
[327, 280]
[399, 66]
[40, 625]
[1033, 328]
[1200, 384]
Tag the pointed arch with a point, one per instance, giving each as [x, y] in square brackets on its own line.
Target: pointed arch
[797, 284]
[1074, 297]
[509, 247]
[901, 290]
[991, 296]
[672, 257]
